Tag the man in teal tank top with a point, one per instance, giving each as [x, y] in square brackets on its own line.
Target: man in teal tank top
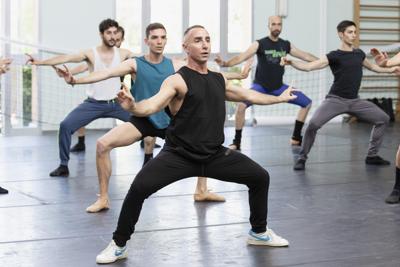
[150, 71]
[144, 87]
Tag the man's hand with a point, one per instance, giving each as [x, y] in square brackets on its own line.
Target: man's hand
[379, 57]
[126, 99]
[31, 60]
[220, 61]
[5, 65]
[288, 95]
[4, 69]
[5, 61]
[66, 74]
[246, 69]
[285, 61]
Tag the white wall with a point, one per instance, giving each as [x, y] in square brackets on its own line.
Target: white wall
[338, 10]
[302, 25]
[72, 24]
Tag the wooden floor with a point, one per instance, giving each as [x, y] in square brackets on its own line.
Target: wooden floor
[333, 213]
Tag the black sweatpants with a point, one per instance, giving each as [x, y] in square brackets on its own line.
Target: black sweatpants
[169, 166]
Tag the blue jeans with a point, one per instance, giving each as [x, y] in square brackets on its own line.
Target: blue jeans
[82, 115]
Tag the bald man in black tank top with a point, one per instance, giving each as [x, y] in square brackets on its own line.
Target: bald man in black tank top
[196, 99]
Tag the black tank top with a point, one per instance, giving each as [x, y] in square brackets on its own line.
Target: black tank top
[197, 130]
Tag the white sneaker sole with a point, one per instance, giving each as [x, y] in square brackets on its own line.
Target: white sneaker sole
[263, 243]
[123, 256]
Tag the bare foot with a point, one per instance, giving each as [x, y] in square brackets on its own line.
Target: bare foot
[99, 205]
[208, 197]
[295, 142]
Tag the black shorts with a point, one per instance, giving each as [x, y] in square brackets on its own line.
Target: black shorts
[146, 128]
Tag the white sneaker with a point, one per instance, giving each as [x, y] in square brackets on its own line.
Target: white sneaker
[112, 253]
[268, 238]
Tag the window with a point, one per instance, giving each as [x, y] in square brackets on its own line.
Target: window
[207, 14]
[169, 13]
[239, 25]
[129, 16]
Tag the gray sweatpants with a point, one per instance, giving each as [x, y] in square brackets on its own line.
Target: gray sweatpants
[333, 106]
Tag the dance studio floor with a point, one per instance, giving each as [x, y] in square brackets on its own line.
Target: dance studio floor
[333, 214]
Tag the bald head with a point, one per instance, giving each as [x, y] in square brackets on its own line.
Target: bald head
[196, 43]
[275, 26]
[189, 30]
[274, 19]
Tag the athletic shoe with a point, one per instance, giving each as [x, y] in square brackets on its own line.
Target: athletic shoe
[376, 160]
[268, 238]
[112, 253]
[3, 190]
[78, 147]
[394, 197]
[300, 165]
[61, 170]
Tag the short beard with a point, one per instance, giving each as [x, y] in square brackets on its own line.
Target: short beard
[108, 43]
[275, 34]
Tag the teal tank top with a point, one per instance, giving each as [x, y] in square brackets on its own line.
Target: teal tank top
[149, 78]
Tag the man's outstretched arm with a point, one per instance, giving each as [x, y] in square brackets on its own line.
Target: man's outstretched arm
[62, 59]
[242, 75]
[378, 69]
[306, 66]
[382, 59]
[169, 89]
[238, 94]
[251, 51]
[294, 51]
[126, 67]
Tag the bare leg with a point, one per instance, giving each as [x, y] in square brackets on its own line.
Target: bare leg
[239, 123]
[303, 112]
[81, 132]
[240, 115]
[122, 135]
[301, 116]
[149, 144]
[394, 197]
[203, 194]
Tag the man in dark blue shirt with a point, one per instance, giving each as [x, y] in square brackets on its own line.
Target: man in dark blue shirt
[346, 64]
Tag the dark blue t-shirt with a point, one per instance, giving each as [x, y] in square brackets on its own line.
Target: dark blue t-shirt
[346, 67]
[269, 72]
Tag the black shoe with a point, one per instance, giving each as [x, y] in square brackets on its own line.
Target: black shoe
[299, 165]
[61, 170]
[3, 190]
[142, 145]
[394, 197]
[78, 147]
[376, 160]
